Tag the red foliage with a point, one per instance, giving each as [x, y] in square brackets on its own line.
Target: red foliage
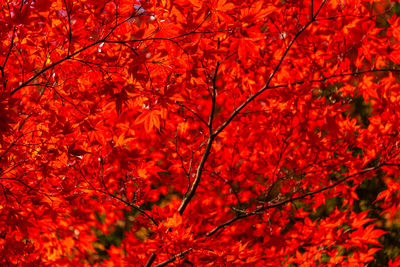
[196, 132]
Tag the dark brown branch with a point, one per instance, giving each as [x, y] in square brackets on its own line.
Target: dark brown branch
[24, 84]
[7, 56]
[276, 69]
[68, 10]
[151, 260]
[312, 8]
[103, 40]
[199, 172]
[195, 113]
[207, 151]
[9, 50]
[330, 77]
[211, 139]
[188, 197]
[196, 182]
[392, 164]
[264, 208]
[173, 258]
[213, 99]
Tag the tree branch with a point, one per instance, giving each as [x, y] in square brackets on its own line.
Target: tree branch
[199, 172]
[266, 87]
[134, 206]
[24, 84]
[213, 99]
[264, 208]
[151, 260]
[173, 258]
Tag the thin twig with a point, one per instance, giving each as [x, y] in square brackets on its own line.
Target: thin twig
[213, 99]
[195, 113]
[136, 207]
[69, 26]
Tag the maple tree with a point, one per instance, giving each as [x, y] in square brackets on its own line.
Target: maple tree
[148, 133]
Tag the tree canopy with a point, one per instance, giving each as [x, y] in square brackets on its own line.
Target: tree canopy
[198, 133]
